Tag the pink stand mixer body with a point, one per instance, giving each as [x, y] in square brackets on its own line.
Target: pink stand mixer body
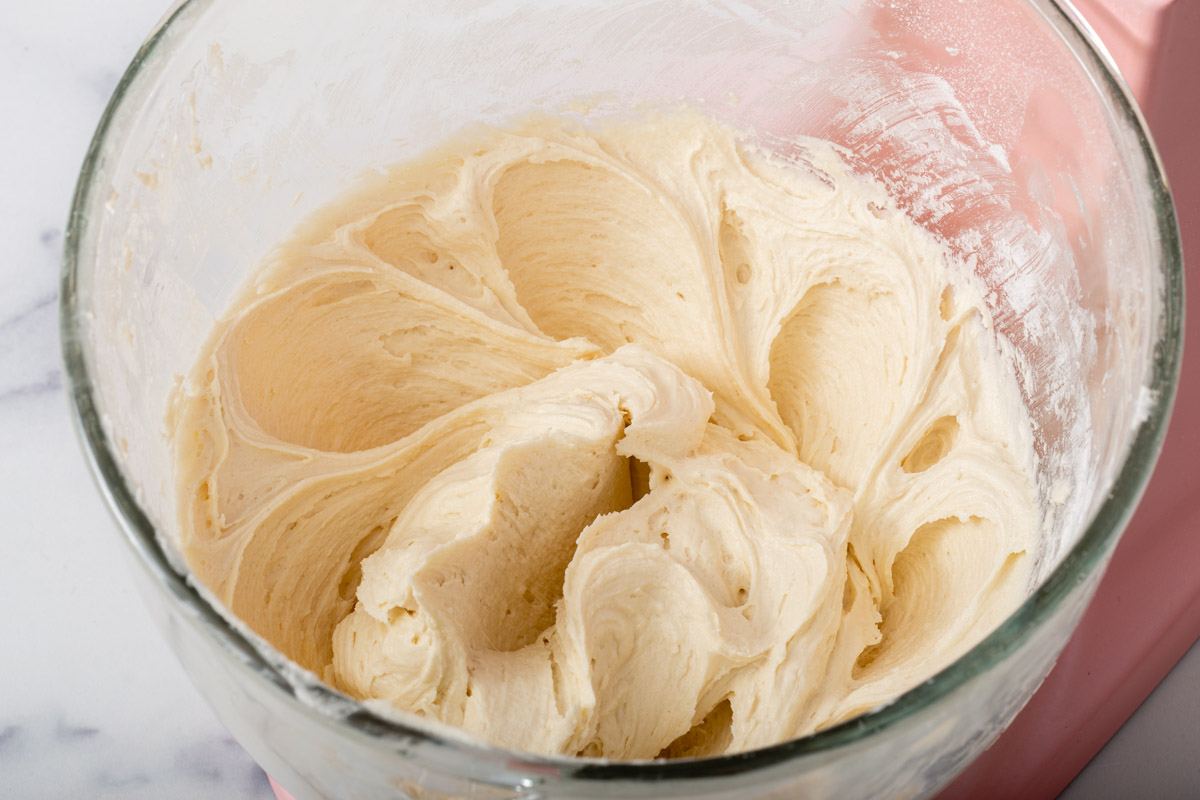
[1146, 613]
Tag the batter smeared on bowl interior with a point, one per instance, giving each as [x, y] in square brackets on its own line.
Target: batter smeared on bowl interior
[624, 440]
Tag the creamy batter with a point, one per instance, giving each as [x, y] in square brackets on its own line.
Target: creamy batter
[623, 440]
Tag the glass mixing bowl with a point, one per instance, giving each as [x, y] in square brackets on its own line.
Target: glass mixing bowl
[999, 125]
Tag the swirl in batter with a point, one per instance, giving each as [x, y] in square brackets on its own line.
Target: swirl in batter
[624, 440]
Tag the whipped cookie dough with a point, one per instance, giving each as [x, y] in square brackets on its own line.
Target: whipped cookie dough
[627, 439]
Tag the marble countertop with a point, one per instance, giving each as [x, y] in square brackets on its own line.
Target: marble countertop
[93, 704]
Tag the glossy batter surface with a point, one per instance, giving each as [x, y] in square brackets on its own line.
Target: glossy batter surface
[622, 440]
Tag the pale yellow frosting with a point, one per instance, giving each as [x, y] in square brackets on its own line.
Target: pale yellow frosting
[623, 440]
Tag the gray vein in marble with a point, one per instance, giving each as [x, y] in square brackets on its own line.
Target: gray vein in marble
[29, 360]
[220, 760]
[108, 767]
[10, 739]
[107, 780]
[50, 384]
[67, 732]
[44, 301]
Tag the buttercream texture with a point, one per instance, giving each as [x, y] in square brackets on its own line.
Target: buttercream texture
[628, 439]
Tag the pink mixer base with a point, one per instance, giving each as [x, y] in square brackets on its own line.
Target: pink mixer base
[1146, 613]
[280, 792]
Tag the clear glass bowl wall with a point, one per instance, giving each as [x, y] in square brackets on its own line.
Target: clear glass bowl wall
[997, 124]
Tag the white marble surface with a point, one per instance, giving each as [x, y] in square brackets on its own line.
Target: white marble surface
[92, 703]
